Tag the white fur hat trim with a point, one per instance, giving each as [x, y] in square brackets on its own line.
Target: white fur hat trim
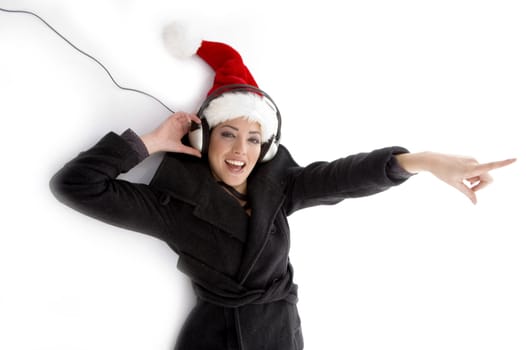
[254, 107]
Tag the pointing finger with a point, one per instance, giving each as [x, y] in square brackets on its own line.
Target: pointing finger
[486, 167]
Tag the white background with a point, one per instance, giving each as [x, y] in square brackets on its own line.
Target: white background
[417, 267]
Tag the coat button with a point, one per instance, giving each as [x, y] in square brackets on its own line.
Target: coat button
[165, 199]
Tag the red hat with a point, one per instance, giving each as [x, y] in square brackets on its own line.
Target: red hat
[227, 64]
[229, 71]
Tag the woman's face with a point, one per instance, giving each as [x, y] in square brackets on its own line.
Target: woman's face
[234, 150]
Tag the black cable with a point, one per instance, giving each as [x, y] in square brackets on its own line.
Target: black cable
[88, 55]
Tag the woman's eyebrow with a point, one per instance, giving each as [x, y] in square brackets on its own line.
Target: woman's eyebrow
[236, 129]
[230, 126]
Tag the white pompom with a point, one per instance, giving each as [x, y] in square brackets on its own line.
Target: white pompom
[180, 40]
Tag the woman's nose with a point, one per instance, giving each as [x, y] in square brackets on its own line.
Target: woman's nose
[239, 147]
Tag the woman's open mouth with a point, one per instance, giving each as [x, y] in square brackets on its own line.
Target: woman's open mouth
[235, 166]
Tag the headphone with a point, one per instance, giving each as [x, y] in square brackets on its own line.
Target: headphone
[199, 135]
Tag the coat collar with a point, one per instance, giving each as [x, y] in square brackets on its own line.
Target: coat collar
[189, 179]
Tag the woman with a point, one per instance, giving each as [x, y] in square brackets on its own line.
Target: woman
[222, 202]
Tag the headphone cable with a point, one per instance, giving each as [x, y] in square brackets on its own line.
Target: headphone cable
[87, 55]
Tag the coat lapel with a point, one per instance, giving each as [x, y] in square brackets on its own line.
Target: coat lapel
[218, 208]
[266, 199]
[189, 180]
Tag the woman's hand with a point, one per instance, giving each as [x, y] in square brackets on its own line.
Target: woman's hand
[463, 173]
[167, 136]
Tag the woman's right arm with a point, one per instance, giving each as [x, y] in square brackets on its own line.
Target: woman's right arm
[89, 183]
[465, 174]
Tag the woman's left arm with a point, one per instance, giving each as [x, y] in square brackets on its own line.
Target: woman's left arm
[465, 174]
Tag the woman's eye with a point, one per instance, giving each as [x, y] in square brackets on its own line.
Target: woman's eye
[254, 140]
[227, 134]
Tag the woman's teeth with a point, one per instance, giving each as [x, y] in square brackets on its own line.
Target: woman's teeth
[235, 163]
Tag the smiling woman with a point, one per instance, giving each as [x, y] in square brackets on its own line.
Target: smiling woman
[417, 267]
[222, 202]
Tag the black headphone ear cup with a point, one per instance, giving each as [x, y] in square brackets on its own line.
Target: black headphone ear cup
[264, 150]
[199, 136]
[269, 150]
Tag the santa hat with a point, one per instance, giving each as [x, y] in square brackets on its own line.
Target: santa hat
[235, 92]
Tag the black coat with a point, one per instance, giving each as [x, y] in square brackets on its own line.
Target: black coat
[238, 264]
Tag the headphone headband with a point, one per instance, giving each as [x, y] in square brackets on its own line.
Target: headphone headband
[199, 135]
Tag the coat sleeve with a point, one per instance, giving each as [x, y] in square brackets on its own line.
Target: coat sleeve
[89, 184]
[357, 175]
